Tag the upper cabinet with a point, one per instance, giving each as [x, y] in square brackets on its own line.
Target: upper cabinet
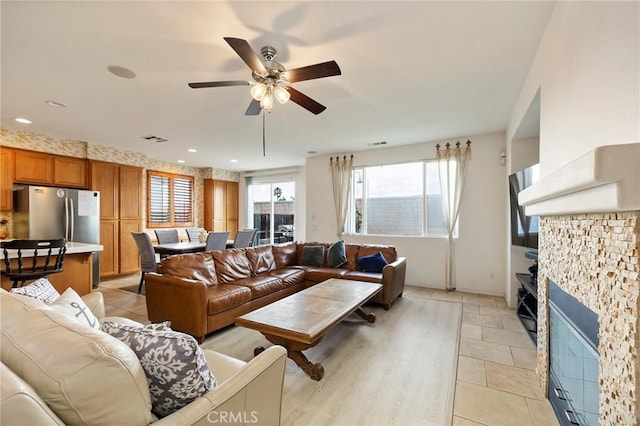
[47, 169]
[70, 171]
[6, 179]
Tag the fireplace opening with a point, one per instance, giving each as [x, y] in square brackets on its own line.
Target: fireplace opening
[573, 359]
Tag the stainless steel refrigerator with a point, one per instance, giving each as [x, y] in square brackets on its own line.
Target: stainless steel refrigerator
[41, 212]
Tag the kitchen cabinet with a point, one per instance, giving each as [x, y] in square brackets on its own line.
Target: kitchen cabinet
[121, 201]
[33, 167]
[70, 172]
[7, 163]
[221, 206]
[40, 168]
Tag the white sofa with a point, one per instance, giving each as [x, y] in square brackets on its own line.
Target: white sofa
[57, 371]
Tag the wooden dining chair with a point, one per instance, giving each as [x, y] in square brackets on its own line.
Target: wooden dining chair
[217, 241]
[166, 236]
[194, 234]
[244, 238]
[33, 259]
[147, 255]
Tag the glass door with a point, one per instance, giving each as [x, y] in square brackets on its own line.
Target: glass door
[271, 211]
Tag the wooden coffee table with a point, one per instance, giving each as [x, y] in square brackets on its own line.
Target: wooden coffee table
[298, 322]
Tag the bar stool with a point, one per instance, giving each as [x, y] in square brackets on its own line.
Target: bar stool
[44, 259]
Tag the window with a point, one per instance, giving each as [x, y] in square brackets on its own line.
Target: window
[397, 199]
[271, 208]
[170, 200]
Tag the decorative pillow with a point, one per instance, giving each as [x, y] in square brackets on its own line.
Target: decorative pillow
[312, 256]
[174, 364]
[336, 256]
[373, 263]
[71, 304]
[40, 289]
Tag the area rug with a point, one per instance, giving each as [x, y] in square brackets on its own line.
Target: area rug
[399, 371]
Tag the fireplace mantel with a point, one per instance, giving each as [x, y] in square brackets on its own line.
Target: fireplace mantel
[606, 179]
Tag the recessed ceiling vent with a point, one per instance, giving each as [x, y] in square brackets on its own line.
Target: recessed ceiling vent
[377, 143]
[152, 138]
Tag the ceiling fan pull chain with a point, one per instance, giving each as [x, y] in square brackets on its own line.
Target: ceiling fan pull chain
[264, 148]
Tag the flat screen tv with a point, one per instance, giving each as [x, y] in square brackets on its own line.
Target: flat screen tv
[524, 229]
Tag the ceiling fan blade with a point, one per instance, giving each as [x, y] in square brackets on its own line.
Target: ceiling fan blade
[305, 102]
[254, 108]
[218, 84]
[325, 69]
[247, 54]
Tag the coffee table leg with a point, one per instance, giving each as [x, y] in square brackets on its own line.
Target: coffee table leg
[315, 371]
[257, 351]
[294, 352]
[371, 318]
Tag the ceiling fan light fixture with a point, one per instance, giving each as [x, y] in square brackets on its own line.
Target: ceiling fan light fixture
[281, 94]
[258, 91]
[267, 100]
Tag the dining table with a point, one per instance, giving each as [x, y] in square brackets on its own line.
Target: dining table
[168, 249]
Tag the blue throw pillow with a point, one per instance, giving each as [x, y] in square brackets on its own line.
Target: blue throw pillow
[373, 263]
[336, 256]
[312, 256]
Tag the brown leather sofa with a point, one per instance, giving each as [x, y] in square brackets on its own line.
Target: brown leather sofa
[203, 292]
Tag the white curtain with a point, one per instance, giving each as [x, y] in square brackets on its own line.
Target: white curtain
[341, 180]
[452, 168]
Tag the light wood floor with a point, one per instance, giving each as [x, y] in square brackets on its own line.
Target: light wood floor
[434, 358]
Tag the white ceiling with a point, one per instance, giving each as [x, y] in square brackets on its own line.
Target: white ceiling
[411, 72]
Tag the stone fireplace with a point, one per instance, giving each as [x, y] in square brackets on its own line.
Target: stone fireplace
[588, 246]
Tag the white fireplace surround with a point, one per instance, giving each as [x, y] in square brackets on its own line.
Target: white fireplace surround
[606, 179]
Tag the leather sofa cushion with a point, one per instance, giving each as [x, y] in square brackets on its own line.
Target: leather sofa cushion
[371, 277]
[285, 254]
[290, 276]
[195, 266]
[12, 305]
[231, 265]
[226, 296]
[104, 383]
[389, 252]
[262, 285]
[352, 256]
[321, 274]
[261, 259]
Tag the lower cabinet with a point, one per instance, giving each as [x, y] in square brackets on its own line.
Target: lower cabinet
[129, 257]
[109, 255]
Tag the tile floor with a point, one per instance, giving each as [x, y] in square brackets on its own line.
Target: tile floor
[496, 382]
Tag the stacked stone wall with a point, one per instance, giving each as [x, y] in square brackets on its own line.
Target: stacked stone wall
[594, 257]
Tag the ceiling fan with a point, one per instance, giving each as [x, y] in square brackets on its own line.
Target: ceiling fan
[272, 80]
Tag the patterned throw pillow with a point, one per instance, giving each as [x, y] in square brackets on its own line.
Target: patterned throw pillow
[336, 256]
[40, 289]
[174, 364]
[71, 304]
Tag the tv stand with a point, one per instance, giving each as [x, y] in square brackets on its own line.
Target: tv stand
[527, 310]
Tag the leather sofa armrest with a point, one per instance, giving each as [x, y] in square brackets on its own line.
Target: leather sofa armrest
[179, 300]
[251, 396]
[95, 302]
[393, 276]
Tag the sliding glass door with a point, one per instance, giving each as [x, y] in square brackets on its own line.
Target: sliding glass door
[271, 208]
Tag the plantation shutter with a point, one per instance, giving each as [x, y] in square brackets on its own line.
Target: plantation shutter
[160, 199]
[182, 196]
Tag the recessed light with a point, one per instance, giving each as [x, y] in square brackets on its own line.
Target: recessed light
[23, 120]
[234, 161]
[192, 150]
[180, 161]
[312, 152]
[121, 71]
[56, 104]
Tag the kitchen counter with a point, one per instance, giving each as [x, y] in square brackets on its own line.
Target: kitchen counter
[77, 270]
[72, 248]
